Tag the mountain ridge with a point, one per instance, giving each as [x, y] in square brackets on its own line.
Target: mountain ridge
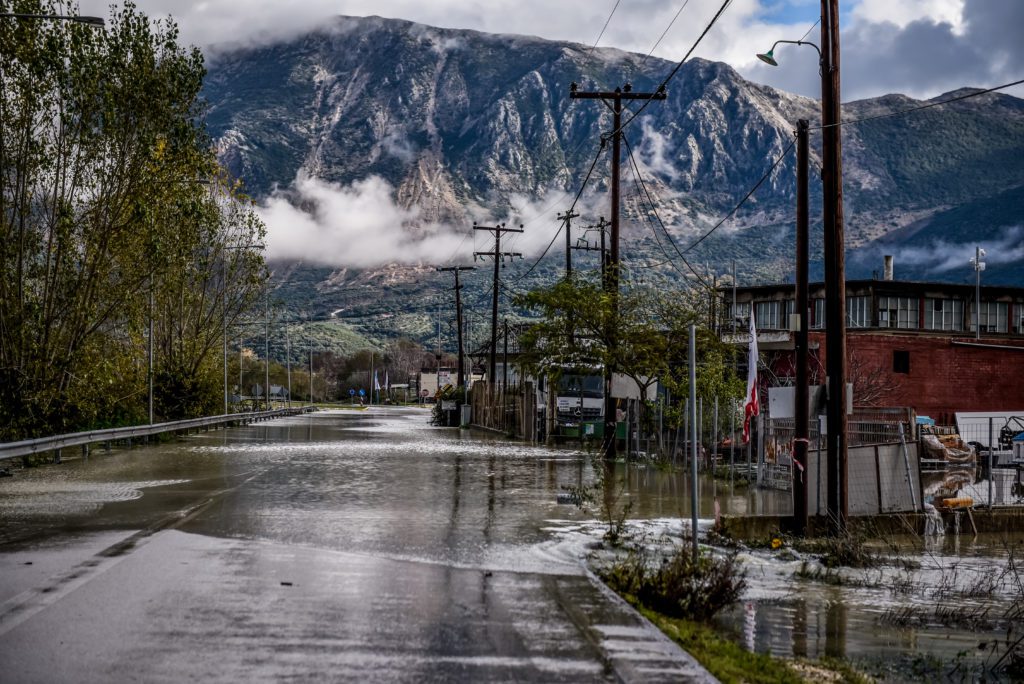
[458, 122]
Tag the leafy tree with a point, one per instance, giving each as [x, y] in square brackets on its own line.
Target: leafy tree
[648, 339]
[101, 143]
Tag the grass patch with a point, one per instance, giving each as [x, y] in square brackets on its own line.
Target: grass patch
[727, 661]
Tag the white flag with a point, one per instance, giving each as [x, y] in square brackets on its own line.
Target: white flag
[751, 404]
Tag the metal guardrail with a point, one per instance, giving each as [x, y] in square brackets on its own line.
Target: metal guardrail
[43, 444]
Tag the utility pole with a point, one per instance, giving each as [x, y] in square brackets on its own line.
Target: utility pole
[801, 431]
[567, 218]
[460, 380]
[288, 361]
[499, 258]
[835, 268]
[266, 351]
[610, 272]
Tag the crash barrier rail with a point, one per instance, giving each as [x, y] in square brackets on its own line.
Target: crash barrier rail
[29, 447]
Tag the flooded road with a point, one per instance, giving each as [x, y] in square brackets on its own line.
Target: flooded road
[341, 545]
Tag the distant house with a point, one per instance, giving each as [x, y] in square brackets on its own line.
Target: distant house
[909, 343]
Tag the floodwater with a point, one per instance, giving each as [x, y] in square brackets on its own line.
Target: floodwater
[383, 502]
[364, 546]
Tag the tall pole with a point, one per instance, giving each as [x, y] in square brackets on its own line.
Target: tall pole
[979, 266]
[310, 371]
[610, 272]
[835, 268]
[460, 380]
[802, 424]
[734, 297]
[693, 440]
[266, 351]
[498, 257]
[223, 319]
[369, 379]
[567, 218]
[288, 361]
[150, 353]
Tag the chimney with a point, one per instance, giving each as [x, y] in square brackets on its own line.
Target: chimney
[887, 274]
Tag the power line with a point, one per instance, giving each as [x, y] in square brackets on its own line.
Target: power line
[725, 218]
[573, 206]
[607, 21]
[654, 209]
[678, 66]
[816, 22]
[664, 33]
[920, 107]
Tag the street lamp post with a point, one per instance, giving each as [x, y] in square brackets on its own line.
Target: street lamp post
[835, 277]
[979, 266]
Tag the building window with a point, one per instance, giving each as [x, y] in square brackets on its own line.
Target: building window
[1019, 308]
[898, 312]
[772, 315]
[900, 361]
[741, 316]
[994, 317]
[943, 314]
[858, 312]
[818, 317]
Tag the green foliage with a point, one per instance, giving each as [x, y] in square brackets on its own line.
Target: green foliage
[727, 661]
[678, 586]
[103, 224]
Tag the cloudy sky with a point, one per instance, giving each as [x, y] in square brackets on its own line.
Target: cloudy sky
[922, 48]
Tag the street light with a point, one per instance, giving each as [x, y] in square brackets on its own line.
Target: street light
[979, 266]
[769, 57]
[89, 21]
[835, 277]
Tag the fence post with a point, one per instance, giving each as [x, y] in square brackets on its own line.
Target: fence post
[991, 470]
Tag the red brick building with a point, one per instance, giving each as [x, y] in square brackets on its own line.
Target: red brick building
[909, 343]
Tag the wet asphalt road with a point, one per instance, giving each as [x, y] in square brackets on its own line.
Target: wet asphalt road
[339, 546]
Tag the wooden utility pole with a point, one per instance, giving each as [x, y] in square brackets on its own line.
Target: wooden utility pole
[610, 275]
[835, 268]
[567, 218]
[498, 257]
[460, 380]
[801, 432]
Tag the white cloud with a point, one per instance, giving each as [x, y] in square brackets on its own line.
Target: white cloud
[887, 45]
[360, 225]
[947, 256]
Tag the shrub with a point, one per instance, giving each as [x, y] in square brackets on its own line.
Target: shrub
[678, 586]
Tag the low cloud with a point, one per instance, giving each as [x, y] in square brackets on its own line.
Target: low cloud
[918, 47]
[942, 256]
[360, 225]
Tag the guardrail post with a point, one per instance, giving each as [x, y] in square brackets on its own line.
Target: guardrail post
[56, 455]
[85, 452]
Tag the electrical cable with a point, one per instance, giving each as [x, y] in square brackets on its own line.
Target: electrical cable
[677, 67]
[583, 187]
[816, 22]
[732, 211]
[607, 21]
[920, 107]
[664, 33]
[654, 209]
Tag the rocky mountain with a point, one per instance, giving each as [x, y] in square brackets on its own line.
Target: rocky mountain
[459, 124]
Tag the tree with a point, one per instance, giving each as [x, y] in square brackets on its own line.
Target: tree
[100, 142]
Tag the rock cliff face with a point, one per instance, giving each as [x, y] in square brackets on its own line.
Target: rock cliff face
[458, 122]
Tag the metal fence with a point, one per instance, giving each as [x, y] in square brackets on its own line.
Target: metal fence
[55, 443]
